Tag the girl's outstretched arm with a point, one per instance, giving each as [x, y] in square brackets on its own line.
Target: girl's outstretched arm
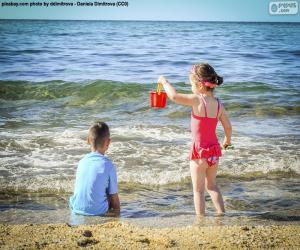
[183, 99]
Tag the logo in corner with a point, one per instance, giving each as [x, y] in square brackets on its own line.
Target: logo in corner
[283, 8]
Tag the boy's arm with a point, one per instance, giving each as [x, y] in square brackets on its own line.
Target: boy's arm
[227, 127]
[112, 192]
[183, 99]
[114, 202]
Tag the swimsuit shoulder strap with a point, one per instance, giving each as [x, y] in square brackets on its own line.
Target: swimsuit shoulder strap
[218, 107]
[204, 102]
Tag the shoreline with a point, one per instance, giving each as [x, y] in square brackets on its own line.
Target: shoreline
[123, 235]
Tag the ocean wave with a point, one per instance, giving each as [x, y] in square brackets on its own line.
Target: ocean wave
[240, 98]
[144, 154]
[19, 90]
[73, 93]
[52, 184]
[287, 51]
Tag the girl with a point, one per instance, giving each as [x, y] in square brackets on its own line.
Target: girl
[205, 149]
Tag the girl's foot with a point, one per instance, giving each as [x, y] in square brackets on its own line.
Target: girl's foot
[199, 220]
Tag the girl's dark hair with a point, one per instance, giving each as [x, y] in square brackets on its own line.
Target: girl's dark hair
[98, 132]
[205, 72]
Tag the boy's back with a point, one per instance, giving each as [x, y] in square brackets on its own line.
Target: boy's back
[96, 179]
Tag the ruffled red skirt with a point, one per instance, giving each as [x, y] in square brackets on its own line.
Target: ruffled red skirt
[211, 153]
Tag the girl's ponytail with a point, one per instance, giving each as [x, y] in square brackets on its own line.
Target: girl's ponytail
[219, 80]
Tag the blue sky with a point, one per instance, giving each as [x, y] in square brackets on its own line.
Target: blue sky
[181, 10]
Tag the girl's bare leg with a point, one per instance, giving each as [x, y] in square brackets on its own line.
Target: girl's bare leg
[213, 189]
[198, 170]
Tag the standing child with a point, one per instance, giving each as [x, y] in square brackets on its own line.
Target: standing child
[205, 149]
[96, 187]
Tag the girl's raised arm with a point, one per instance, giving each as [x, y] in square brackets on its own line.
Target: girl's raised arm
[183, 99]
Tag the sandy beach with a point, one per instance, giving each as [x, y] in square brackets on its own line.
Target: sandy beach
[120, 235]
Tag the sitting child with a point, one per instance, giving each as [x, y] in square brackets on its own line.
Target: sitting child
[96, 187]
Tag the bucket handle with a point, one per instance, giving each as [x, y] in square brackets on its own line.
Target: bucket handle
[158, 89]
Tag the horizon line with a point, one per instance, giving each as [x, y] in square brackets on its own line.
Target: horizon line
[149, 20]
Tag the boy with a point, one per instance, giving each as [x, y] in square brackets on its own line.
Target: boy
[96, 190]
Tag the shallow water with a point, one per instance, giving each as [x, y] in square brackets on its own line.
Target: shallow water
[167, 205]
[58, 77]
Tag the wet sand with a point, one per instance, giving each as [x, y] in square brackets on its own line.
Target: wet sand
[121, 235]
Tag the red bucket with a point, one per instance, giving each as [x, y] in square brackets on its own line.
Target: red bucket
[158, 99]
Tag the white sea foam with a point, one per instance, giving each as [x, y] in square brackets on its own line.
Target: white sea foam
[143, 154]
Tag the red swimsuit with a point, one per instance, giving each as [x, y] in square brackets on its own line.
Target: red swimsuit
[204, 139]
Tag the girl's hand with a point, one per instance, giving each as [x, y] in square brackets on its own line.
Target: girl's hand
[226, 144]
[162, 80]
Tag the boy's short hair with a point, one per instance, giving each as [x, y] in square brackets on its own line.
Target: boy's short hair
[98, 132]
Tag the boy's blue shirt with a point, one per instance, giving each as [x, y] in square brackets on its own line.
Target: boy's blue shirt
[96, 178]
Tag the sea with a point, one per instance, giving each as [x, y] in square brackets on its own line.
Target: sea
[58, 77]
